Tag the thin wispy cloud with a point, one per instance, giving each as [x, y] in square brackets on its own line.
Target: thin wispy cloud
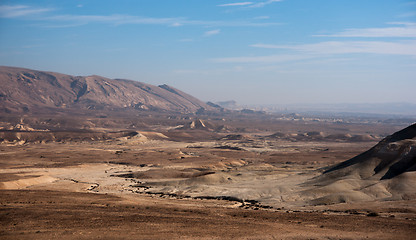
[212, 33]
[261, 17]
[403, 23]
[323, 50]
[262, 59]
[406, 30]
[348, 47]
[68, 20]
[249, 4]
[176, 24]
[410, 3]
[264, 3]
[186, 40]
[215, 71]
[408, 14]
[53, 25]
[8, 11]
[116, 19]
[235, 4]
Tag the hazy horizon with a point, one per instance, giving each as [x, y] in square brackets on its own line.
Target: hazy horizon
[253, 52]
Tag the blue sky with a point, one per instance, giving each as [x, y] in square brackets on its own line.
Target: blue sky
[251, 51]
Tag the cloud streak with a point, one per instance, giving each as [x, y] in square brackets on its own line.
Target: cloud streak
[263, 59]
[323, 50]
[212, 33]
[338, 47]
[249, 4]
[7, 11]
[69, 20]
[119, 19]
[407, 30]
[115, 19]
[235, 4]
[262, 4]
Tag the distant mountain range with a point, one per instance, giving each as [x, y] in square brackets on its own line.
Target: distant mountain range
[331, 109]
[367, 108]
[25, 90]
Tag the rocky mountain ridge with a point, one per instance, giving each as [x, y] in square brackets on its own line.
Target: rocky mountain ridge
[25, 90]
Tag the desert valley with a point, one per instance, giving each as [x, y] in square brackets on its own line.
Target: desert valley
[98, 158]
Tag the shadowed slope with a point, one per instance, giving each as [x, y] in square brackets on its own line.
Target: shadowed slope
[385, 172]
[392, 156]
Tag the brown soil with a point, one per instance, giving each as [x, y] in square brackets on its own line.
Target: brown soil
[38, 214]
[150, 187]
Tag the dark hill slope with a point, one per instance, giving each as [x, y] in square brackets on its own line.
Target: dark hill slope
[385, 172]
[24, 90]
[392, 156]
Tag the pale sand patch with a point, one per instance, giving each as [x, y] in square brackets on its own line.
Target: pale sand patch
[26, 182]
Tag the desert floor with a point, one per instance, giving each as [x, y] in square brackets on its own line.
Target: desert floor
[154, 189]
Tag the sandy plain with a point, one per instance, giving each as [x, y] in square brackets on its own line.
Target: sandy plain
[147, 186]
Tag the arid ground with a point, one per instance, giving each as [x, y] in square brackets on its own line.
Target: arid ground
[189, 182]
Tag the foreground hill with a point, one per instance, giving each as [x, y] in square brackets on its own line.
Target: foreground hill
[394, 155]
[385, 172]
[24, 90]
